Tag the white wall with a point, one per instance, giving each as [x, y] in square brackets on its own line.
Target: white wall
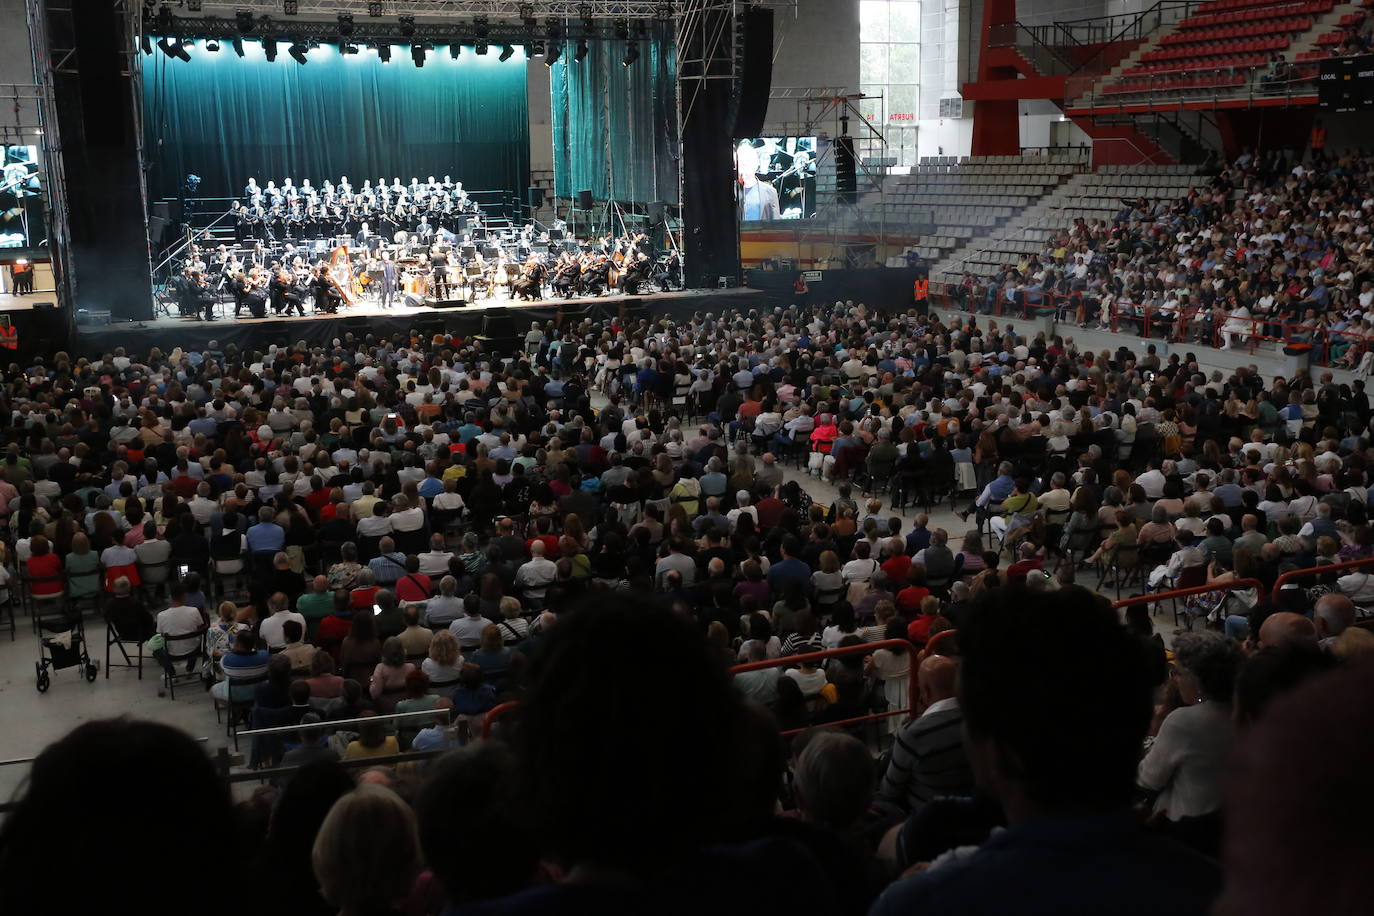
[819, 47]
[945, 137]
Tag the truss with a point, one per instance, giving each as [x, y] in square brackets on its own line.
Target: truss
[441, 10]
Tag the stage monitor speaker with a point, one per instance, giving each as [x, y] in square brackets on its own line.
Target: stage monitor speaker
[584, 200]
[445, 303]
[846, 178]
[535, 197]
[756, 73]
[498, 323]
[634, 308]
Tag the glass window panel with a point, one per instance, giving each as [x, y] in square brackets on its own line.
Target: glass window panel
[904, 22]
[872, 108]
[873, 20]
[902, 100]
[904, 64]
[872, 63]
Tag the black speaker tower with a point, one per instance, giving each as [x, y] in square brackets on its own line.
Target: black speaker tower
[755, 73]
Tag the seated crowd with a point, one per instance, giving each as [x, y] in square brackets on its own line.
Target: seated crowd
[432, 527]
[1266, 241]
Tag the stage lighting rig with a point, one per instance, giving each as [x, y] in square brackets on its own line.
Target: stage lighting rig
[663, 12]
[165, 23]
[347, 48]
[384, 53]
[345, 24]
[407, 25]
[212, 45]
[536, 48]
[145, 41]
[290, 7]
[582, 49]
[237, 45]
[555, 51]
[480, 46]
[244, 20]
[269, 48]
[631, 55]
[298, 50]
[507, 52]
[455, 50]
[417, 54]
[374, 9]
[173, 47]
[527, 16]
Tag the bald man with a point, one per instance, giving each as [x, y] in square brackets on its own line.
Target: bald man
[1333, 615]
[1287, 629]
[928, 759]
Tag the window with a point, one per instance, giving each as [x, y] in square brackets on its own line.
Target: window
[890, 66]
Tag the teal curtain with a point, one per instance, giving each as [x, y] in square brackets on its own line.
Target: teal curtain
[227, 118]
[615, 127]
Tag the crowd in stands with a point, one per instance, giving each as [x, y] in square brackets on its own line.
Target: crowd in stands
[600, 524]
[1265, 242]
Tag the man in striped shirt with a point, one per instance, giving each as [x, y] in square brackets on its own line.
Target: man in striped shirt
[928, 759]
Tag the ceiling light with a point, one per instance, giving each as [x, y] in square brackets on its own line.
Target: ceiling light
[581, 54]
[298, 52]
[506, 53]
[631, 55]
[211, 45]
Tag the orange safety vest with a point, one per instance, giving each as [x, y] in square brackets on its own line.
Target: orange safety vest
[922, 289]
[9, 337]
[1318, 137]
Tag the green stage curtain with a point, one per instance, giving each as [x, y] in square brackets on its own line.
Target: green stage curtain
[615, 127]
[227, 118]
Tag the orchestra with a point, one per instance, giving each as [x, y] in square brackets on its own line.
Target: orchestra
[327, 247]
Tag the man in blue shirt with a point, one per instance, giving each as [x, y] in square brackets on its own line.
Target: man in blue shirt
[266, 535]
[788, 569]
[390, 565]
[997, 490]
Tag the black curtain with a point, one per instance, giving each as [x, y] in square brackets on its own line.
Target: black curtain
[227, 118]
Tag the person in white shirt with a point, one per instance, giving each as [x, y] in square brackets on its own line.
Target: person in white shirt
[176, 623]
[271, 629]
[536, 575]
[434, 562]
[201, 505]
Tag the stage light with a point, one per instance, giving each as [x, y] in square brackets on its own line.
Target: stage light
[347, 48]
[631, 55]
[384, 53]
[173, 48]
[663, 12]
[374, 8]
[194, 6]
[211, 45]
[165, 23]
[507, 52]
[290, 7]
[536, 48]
[454, 50]
[582, 49]
[238, 46]
[584, 11]
[480, 46]
[555, 51]
[553, 28]
[622, 29]
[527, 11]
[345, 24]
[417, 54]
[244, 20]
[481, 26]
[269, 48]
[298, 52]
[407, 25]
[145, 42]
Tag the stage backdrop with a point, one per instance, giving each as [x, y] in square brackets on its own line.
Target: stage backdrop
[226, 118]
[615, 127]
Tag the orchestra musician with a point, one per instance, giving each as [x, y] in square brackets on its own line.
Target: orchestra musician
[238, 288]
[278, 283]
[530, 284]
[669, 271]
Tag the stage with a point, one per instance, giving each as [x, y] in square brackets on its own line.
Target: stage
[497, 318]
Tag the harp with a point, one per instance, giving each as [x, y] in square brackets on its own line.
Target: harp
[340, 274]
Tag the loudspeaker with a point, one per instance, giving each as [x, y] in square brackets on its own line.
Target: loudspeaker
[656, 212]
[445, 303]
[535, 197]
[584, 200]
[756, 73]
[498, 323]
[846, 181]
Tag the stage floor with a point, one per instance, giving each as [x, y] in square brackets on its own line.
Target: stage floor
[370, 318]
[369, 307]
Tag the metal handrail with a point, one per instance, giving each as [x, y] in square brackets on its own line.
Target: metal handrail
[187, 242]
[1152, 597]
[1292, 574]
[340, 723]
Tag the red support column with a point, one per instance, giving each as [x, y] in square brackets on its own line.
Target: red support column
[996, 124]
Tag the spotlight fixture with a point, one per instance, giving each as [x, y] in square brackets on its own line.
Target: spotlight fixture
[581, 54]
[145, 42]
[506, 53]
[481, 26]
[384, 53]
[480, 46]
[663, 12]
[455, 50]
[631, 55]
[584, 11]
[194, 6]
[347, 48]
[298, 52]
[244, 20]
[553, 28]
[374, 8]
[407, 25]
[290, 7]
[417, 54]
[345, 24]
[269, 48]
[535, 48]
[173, 47]
[555, 51]
[165, 23]
[211, 44]
[237, 44]
[527, 16]
[622, 29]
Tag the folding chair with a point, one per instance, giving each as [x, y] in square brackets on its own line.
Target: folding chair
[114, 638]
[178, 649]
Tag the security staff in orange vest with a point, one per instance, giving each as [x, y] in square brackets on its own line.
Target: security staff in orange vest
[922, 292]
[1317, 139]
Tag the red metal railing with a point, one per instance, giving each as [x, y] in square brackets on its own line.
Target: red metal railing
[504, 709]
[1152, 597]
[1316, 571]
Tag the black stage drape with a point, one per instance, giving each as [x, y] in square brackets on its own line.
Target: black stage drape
[227, 118]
